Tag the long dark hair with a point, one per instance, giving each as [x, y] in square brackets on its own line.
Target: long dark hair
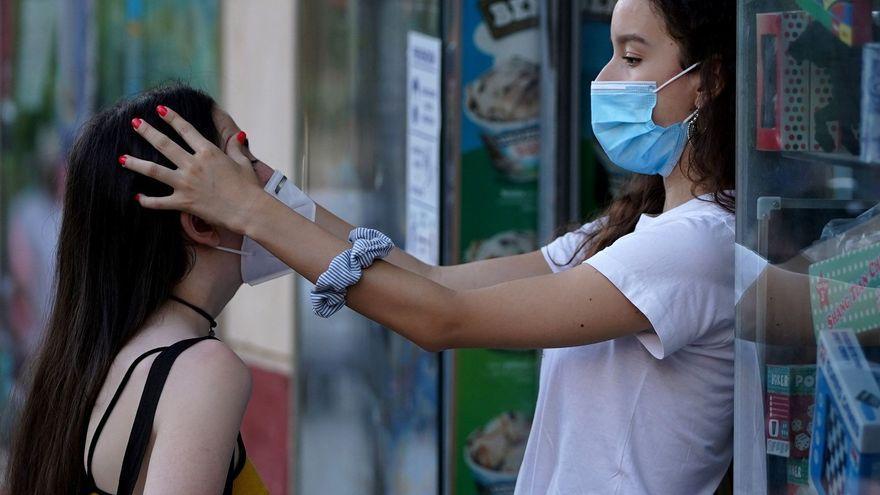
[705, 32]
[117, 263]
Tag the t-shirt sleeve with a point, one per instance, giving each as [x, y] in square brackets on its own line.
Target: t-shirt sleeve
[679, 275]
[562, 254]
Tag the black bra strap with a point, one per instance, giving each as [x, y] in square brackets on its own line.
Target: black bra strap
[235, 468]
[111, 405]
[242, 456]
[142, 428]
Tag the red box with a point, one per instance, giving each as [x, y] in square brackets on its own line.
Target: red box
[783, 85]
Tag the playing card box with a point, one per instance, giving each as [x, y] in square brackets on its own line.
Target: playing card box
[790, 396]
[845, 454]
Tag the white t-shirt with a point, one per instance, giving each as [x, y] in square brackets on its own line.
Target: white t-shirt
[650, 413]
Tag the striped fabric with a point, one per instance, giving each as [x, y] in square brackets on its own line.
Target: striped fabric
[346, 269]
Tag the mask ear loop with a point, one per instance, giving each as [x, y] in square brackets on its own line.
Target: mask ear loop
[233, 251]
[676, 78]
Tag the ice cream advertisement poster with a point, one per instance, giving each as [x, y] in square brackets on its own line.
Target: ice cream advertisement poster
[494, 392]
[501, 75]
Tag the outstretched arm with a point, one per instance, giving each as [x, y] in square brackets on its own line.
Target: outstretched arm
[472, 275]
[574, 308]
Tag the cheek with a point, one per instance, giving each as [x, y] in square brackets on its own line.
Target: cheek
[264, 173]
[673, 106]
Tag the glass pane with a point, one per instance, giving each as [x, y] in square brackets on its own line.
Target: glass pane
[360, 385]
[807, 168]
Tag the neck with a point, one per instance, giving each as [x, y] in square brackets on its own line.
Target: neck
[201, 288]
[679, 188]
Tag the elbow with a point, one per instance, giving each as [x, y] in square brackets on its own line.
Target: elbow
[442, 331]
[434, 338]
[431, 346]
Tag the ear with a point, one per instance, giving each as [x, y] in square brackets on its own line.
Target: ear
[199, 231]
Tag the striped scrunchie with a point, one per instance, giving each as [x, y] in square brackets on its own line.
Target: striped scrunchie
[346, 269]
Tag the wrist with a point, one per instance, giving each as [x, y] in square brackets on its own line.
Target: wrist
[246, 219]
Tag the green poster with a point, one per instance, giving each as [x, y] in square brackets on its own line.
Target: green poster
[494, 391]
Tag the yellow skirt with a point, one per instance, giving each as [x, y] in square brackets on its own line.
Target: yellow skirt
[248, 482]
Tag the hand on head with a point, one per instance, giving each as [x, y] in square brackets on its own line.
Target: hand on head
[216, 186]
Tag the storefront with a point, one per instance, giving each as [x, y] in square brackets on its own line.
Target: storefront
[808, 164]
[462, 130]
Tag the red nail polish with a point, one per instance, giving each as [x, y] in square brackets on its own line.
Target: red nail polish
[137, 197]
[241, 137]
[162, 109]
[122, 159]
[136, 122]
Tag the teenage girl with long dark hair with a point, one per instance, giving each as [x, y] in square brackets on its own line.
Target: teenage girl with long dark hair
[131, 392]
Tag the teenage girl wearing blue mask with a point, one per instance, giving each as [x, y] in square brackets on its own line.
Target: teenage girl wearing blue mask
[635, 310]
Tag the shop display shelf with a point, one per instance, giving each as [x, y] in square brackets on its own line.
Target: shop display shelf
[830, 159]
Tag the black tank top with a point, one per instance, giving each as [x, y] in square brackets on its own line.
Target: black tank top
[143, 422]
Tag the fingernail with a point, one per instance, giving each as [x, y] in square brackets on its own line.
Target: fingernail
[136, 122]
[122, 159]
[137, 197]
[162, 109]
[241, 137]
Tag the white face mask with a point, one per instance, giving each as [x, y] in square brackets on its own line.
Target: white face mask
[258, 265]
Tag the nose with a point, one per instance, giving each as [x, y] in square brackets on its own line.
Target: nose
[604, 74]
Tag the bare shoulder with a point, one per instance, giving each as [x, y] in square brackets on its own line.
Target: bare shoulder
[212, 362]
[208, 374]
[198, 419]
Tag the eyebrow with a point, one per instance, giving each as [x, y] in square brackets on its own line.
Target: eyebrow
[626, 38]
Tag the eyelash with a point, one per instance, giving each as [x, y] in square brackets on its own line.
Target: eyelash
[631, 61]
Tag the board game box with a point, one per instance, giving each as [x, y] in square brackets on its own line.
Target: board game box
[849, 21]
[845, 454]
[845, 290]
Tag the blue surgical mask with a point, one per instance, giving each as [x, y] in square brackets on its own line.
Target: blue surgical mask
[623, 124]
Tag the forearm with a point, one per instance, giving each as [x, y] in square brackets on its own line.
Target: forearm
[537, 312]
[402, 300]
[474, 275]
[340, 228]
[789, 320]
